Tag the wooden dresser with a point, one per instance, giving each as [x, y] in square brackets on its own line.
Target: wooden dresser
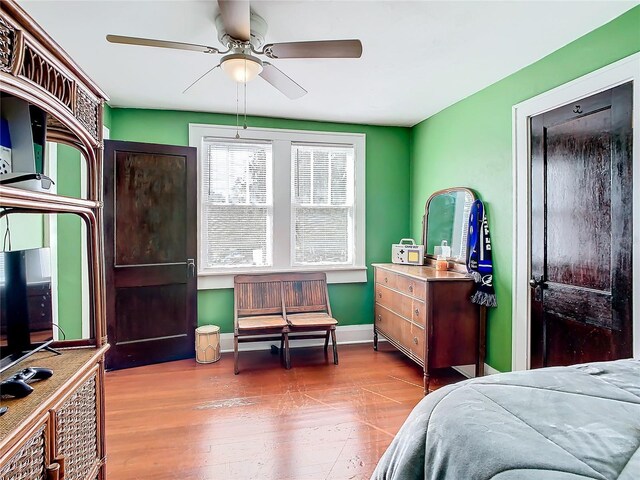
[428, 316]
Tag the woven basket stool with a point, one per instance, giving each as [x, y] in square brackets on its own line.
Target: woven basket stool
[207, 344]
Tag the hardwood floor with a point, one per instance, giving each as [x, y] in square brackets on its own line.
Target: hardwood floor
[183, 420]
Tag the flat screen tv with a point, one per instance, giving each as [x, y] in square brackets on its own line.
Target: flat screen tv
[26, 324]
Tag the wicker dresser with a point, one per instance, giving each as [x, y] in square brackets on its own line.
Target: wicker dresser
[59, 423]
[56, 432]
[427, 315]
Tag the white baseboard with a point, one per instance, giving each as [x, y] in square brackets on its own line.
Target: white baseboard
[469, 371]
[347, 334]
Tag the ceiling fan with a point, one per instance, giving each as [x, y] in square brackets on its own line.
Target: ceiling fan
[243, 33]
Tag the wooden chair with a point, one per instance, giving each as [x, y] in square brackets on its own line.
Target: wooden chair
[258, 311]
[307, 309]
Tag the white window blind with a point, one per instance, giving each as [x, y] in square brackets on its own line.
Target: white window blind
[237, 206]
[322, 207]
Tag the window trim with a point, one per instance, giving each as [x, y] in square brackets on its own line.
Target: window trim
[281, 138]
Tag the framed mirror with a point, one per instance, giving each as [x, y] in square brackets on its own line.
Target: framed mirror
[446, 219]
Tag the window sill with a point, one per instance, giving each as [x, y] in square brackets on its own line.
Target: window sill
[218, 280]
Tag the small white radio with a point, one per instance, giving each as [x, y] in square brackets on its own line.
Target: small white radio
[407, 252]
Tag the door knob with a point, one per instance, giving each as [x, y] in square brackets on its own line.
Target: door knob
[537, 284]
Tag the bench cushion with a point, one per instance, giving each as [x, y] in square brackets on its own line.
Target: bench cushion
[313, 319]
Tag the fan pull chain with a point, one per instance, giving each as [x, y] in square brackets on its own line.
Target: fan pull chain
[245, 99]
[237, 113]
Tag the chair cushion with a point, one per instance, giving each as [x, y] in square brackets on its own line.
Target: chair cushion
[319, 319]
[261, 321]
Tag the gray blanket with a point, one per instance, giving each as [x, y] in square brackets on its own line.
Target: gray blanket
[561, 423]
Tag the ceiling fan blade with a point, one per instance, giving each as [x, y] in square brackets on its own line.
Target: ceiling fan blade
[150, 42]
[236, 18]
[281, 81]
[200, 78]
[319, 49]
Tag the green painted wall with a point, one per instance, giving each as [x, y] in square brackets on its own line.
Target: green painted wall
[469, 144]
[69, 246]
[106, 116]
[387, 204]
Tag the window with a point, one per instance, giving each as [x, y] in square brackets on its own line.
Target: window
[237, 208]
[279, 200]
[322, 204]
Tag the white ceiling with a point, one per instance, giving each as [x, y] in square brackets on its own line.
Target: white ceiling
[418, 56]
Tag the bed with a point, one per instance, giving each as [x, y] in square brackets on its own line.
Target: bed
[559, 423]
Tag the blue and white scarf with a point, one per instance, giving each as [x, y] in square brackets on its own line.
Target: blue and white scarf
[479, 263]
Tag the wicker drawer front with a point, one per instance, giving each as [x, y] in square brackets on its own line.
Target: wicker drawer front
[411, 286]
[77, 431]
[386, 278]
[29, 462]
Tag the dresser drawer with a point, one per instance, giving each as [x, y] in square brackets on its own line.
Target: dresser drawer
[386, 278]
[393, 326]
[394, 301]
[411, 286]
[417, 342]
[419, 312]
[408, 307]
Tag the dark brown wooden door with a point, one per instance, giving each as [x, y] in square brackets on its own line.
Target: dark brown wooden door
[150, 252]
[581, 231]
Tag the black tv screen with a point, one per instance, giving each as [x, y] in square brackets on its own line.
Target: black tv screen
[25, 304]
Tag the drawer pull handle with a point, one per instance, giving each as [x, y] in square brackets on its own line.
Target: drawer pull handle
[379, 318]
[417, 312]
[411, 288]
[379, 294]
[415, 340]
[386, 280]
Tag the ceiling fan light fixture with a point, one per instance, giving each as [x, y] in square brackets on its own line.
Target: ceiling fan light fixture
[240, 67]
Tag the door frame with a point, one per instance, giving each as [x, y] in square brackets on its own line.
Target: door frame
[622, 71]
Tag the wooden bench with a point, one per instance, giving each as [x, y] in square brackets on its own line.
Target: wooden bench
[282, 304]
[258, 311]
[307, 308]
